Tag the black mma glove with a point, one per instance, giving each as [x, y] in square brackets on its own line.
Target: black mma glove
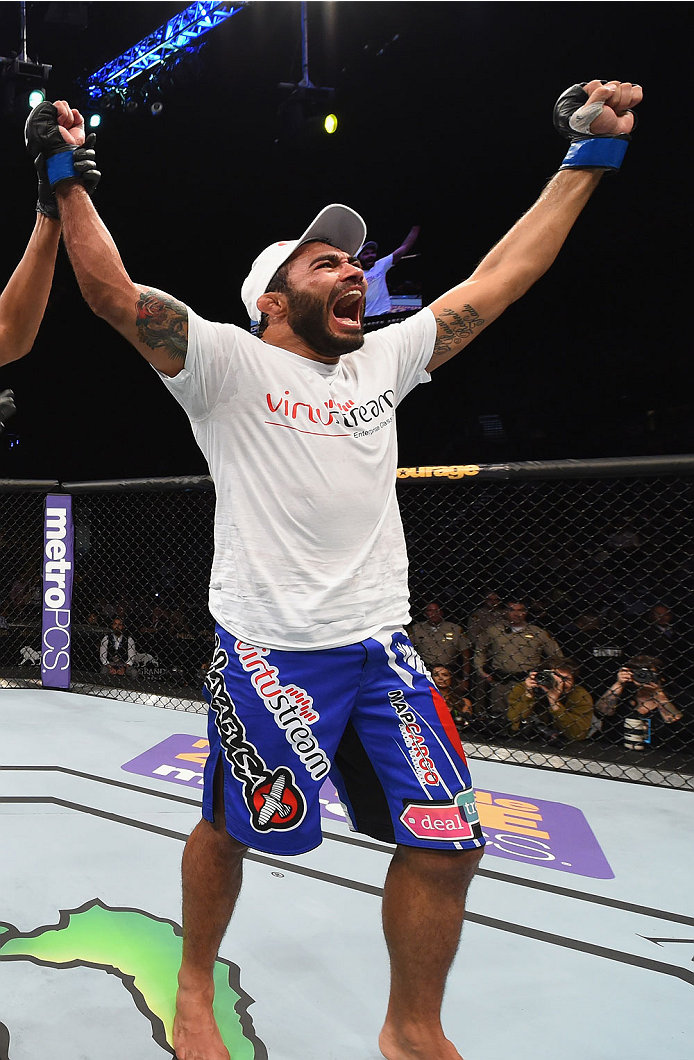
[56, 160]
[572, 118]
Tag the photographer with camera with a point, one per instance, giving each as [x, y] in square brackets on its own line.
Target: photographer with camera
[645, 697]
[549, 703]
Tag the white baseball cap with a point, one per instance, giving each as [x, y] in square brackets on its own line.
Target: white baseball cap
[337, 225]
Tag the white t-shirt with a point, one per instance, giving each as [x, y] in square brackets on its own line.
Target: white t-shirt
[377, 293]
[309, 547]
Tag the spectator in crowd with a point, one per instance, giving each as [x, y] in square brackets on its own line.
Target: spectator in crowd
[490, 613]
[506, 652]
[442, 643]
[641, 680]
[375, 269]
[661, 636]
[459, 705]
[549, 703]
[117, 652]
[593, 641]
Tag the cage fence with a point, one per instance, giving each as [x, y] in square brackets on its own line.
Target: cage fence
[551, 602]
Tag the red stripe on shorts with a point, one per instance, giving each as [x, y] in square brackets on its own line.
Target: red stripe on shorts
[447, 722]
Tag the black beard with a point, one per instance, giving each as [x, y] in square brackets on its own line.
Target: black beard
[306, 318]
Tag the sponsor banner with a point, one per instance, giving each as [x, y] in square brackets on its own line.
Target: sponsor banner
[440, 471]
[58, 563]
[553, 835]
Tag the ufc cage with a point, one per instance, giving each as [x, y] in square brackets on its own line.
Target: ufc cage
[558, 622]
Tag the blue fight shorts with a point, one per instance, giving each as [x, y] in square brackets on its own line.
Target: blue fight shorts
[366, 715]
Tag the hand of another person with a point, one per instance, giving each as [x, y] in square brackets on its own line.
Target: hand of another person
[625, 676]
[530, 681]
[70, 123]
[59, 151]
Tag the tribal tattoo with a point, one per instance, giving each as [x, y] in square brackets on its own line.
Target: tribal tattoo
[162, 323]
[453, 329]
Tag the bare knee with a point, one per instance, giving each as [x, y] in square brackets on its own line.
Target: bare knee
[443, 868]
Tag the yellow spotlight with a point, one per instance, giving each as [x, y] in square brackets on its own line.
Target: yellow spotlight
[330, 123]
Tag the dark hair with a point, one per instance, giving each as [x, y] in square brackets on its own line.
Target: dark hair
[650, 662]
[558, 662]
[280, 284]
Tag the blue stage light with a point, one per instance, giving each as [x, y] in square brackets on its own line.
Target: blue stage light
[94, 121]
[177, 34]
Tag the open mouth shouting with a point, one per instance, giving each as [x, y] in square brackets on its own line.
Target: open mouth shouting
[347, 309]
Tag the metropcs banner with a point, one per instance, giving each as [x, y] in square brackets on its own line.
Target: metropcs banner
[58, 564]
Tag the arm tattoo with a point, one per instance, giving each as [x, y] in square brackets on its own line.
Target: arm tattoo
[608, 703]
[162, 323]
[452, 329]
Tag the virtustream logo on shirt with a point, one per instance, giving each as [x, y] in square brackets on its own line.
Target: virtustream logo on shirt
[308, 419]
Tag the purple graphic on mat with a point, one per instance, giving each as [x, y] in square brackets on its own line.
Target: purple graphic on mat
[553, 835]
[58, 559]
[180, 759]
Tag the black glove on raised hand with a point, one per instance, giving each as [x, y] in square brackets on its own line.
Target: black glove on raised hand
[573, 117]
[56, 160]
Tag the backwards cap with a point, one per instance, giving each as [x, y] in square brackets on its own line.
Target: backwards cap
[337, 225]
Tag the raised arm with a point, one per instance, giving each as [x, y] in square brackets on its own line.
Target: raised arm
[405, 248]
[529, 248]
[155, 323]
[23, 302]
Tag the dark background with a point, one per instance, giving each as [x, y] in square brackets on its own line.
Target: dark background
[448, 126]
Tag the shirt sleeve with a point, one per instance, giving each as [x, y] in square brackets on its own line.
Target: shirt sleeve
[383, 264]
[409, 346]
[209, 359]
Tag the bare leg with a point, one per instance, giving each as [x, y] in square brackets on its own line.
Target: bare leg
[423, 908]
[212, 873]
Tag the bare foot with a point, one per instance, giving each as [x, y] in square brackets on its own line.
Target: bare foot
[410, 1046]
[195, 1032]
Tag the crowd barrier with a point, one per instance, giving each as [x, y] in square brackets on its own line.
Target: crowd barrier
[599, 552]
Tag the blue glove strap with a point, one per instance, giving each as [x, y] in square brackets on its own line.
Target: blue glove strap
[597, 153]
[60, 167]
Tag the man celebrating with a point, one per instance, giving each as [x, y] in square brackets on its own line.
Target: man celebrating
[378, 300]
[309, 586]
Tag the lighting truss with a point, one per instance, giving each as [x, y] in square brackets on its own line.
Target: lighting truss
[177, 34]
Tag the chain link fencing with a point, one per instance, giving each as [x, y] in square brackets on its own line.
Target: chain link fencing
[21, 553]
[577, 572]
[141, 630]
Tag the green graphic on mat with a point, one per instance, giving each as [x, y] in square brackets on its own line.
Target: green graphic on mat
[144, 952]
